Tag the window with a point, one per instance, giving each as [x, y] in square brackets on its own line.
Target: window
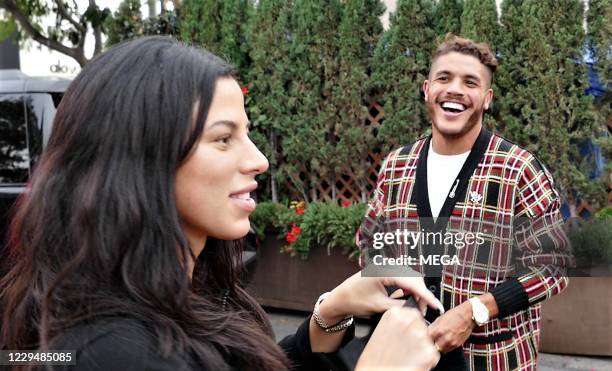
[25, 123]
[14, 157]
[40, 109]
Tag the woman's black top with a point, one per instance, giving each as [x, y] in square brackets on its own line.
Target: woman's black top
[126, 344]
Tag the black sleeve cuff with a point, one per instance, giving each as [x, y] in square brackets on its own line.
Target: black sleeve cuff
[298, 350]
[510, 297]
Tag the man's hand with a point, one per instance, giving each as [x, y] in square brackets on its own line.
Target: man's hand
[453, 328]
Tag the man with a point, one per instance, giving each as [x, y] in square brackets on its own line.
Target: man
[464, 178]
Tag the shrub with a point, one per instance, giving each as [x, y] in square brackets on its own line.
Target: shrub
[315, 225]
[592, 241]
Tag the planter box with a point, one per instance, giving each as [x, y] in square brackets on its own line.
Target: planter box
[282, 281]
[578, 321]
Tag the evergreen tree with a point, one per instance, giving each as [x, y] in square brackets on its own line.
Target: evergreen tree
[234, 20]
[165, 23]
[599, 28]
[314, 52]
[401, 65]
[267, 80]
[201, 22]
[557, 115]
[447, 17]
[479, 22]
[510, 81]
[218, 26]
[359, 32]
[126, 22]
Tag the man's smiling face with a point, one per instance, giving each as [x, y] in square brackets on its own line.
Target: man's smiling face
[457, 93]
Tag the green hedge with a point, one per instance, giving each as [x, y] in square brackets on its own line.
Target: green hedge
[312, 67]
[592, 240]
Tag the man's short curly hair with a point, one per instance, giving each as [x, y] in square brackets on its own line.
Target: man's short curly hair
[458, 44]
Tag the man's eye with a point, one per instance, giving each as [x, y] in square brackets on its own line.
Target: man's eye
[471, 83]
[442, 78]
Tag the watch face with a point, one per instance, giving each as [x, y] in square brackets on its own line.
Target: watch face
[480, 312]
[480, 316]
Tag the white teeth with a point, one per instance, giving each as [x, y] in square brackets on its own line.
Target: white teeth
[243, 196]
[453, 105]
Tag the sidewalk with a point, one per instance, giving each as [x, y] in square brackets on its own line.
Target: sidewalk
[286, 322]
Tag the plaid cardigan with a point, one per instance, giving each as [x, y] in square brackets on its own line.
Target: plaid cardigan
[502, 189]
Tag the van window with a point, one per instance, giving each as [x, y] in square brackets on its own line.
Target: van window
[40, 109]
[14, 156]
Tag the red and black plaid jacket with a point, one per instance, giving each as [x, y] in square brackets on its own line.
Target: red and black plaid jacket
[506, 194]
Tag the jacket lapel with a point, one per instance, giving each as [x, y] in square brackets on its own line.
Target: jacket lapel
[460, 184]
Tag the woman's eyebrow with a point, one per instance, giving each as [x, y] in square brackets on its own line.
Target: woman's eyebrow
[232, 125]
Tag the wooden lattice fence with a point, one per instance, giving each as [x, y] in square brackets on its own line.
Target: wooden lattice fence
[344, 187]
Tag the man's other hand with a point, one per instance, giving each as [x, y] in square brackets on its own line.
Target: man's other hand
[453, 328]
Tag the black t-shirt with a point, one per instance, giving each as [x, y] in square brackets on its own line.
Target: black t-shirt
[127, 345]
[117, 344]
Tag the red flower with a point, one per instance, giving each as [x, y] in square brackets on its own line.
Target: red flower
[291, 238]
[245, 90]
[346, 203]
[296, 230]
[293, 234]
[299, 210]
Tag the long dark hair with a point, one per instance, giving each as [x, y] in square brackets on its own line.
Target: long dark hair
[97, 233]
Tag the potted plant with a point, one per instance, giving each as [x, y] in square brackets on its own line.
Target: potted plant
[305, 250]
[578, 320]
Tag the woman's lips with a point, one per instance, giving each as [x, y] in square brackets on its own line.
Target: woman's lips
[244, 201]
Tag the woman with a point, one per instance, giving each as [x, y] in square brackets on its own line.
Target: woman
[126, 246]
